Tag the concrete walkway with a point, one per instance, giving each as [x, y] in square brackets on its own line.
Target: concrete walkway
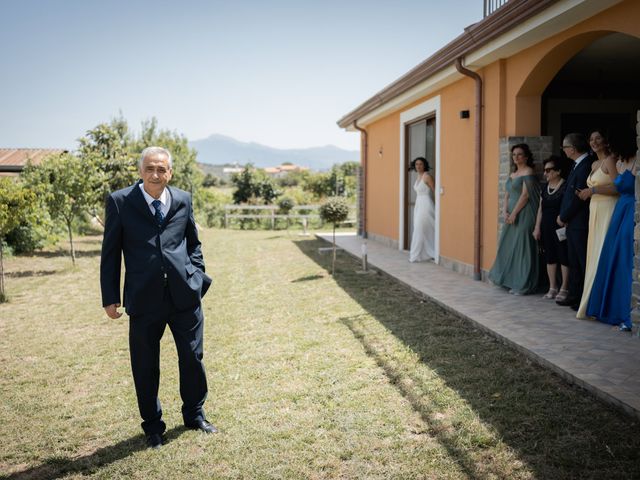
[588, 353]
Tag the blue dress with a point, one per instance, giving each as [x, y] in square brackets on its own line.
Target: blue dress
[610, 300]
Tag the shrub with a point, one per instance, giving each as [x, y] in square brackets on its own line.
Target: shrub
[209, 207]
[285, 205]
[334, 211]
[27, 238]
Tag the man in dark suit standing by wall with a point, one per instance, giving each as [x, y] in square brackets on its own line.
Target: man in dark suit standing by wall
[153, 226]
[574, 214]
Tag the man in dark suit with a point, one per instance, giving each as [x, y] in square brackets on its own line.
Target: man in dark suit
[574, 214]
[153, 226]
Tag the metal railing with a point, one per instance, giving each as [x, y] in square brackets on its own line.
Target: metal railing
[491, 6]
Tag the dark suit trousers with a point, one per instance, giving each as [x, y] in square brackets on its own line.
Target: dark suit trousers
[145, 332]
[577, 253]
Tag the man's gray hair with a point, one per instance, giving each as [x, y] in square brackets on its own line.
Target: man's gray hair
[577, 141]
[154, 151]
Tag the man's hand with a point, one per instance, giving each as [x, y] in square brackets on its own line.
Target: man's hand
[560, 222]
[112, 310]
[584, 194]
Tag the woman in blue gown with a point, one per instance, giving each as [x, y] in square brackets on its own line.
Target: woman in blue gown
[610, 300]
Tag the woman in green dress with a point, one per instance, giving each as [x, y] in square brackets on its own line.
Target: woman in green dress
[516, 264]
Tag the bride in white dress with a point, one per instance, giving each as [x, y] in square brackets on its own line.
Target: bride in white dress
[424, 222]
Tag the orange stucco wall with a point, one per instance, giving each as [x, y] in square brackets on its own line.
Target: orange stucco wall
[383, 177]
[457, 171]
[512, 91]
[494, 128]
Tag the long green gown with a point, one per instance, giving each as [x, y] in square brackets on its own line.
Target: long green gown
[516, 264]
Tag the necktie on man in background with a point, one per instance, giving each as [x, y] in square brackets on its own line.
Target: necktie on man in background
[157, 204]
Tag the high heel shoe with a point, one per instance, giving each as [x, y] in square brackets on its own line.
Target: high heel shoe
[562, 295]
[551, 294]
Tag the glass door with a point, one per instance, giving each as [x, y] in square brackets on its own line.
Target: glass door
[420, 142]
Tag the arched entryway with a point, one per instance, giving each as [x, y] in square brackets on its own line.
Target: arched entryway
[597, 87]
[587, 81]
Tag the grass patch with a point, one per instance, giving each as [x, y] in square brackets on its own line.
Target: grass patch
[309, 377]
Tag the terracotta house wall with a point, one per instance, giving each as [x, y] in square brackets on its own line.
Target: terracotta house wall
[494, 126]
[457, 172]
[383, 177]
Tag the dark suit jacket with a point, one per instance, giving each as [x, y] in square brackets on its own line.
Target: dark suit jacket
[151, 253]
[574, 211]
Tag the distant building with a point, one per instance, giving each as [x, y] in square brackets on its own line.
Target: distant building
[284, 170]
[228, 171]
[13, 160]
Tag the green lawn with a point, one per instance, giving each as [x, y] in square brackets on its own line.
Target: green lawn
[309, 377]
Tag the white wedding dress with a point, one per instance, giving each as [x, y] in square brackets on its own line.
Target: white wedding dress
[424, 224]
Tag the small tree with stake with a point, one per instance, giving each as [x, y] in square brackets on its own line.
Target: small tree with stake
[334, 211]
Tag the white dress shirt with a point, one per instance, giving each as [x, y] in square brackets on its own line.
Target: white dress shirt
[579, 159]
[165, 200]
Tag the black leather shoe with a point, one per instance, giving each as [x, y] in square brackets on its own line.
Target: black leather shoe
[567, 302]
[203, 426]
[155, 440]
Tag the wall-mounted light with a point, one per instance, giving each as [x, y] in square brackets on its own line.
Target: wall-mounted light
[464, 114]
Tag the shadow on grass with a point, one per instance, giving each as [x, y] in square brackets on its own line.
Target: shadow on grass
[556, 430]
[30, 273]
[427, 410]
[89, 238]
[65, 253]
[308, 278]
[57, 467]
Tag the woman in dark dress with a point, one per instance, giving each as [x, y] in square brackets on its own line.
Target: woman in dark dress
[555, 250]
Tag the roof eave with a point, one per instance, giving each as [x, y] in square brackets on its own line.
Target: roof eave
[474, 37]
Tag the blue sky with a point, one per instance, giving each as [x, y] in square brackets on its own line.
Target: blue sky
[275, 72]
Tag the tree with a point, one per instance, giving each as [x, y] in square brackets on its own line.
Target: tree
[338, 182]
[113, 152]
[244, 184]
[349, 169]
[66, 185]
[319, 184]
[210, 180]
[108, 149]
[17, 204]
[267, 191]
[334, 211]
[253, 184]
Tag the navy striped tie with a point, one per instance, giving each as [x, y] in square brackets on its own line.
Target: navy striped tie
[157, 204]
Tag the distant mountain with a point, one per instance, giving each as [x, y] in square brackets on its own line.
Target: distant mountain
[219, 149]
